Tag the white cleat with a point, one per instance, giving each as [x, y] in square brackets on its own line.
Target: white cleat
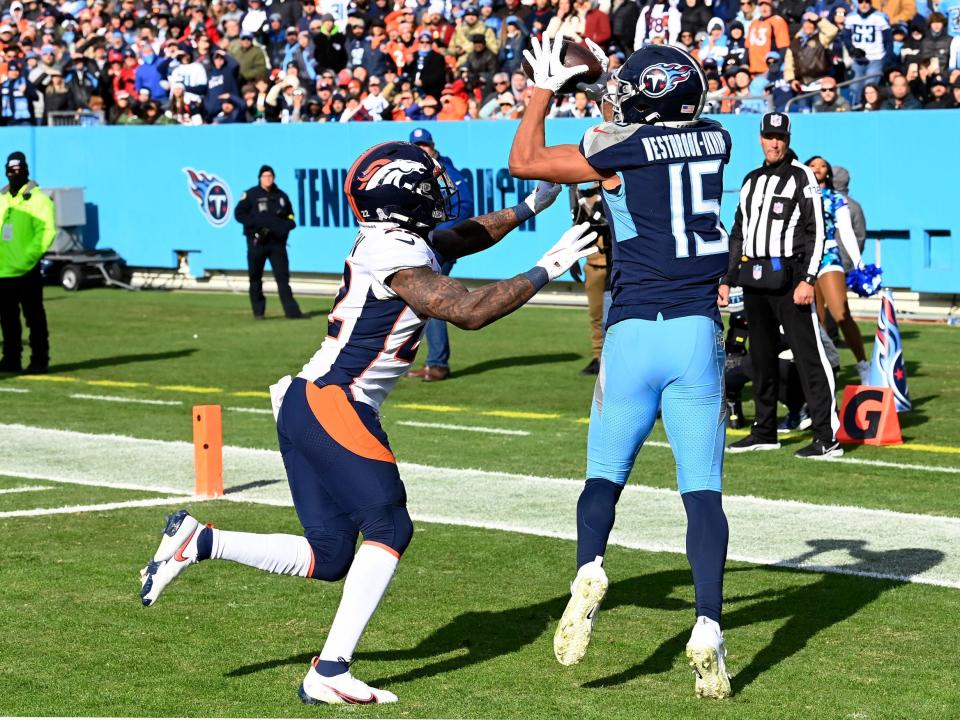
[706, 652]
[343, 689]
[177, 551]
[576, 625]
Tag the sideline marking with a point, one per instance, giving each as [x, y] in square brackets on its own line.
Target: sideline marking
[117, 383]
[118, 399]
[519, 415]
[14, 390]
[252, 394]
[859, 541]
[190, 389]
[24, 488]
[256, 411]
[467, 428]
[50, 378]
[429, 408]
[69, 509]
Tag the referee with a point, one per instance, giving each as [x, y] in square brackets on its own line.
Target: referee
[775, 252]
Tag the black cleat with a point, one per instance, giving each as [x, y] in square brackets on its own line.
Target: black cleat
[819, 449]
[752, 443]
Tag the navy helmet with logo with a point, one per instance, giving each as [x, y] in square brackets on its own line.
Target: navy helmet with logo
[399, 182]
[658, 84]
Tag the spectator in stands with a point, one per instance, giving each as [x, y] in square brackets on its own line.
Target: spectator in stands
[517, 9]
[18, 98]
[695, 16]
[714, 45]
[624, 15]
[659, 23]
[232, 110]
[809, 58]
[462, 43]
[250, 56]
[565, 19]
[955, 92]
[309, 15]
[512, 44]
[180, 110]
[596, 22]
[41, 74]
[122, 113]
[427, 68]
[223, 77]
[898, 11]
[736, 44]
[80, 81]
[767, 32]
[746, 15]
[900, 96]
[191, 75]
[56, 97]
[580, 106]
[939, 94]
[329, 44]
[506, 107]
[151, 74]
[869, 42]
[936, 42]
[830, 99]
[481, 61]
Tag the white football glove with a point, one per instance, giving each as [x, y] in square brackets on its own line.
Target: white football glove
[549, 72]
[542, 196]
[598, 54]
[572, 246]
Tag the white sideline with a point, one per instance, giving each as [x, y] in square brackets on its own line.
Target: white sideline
[69, 509]
[120, 399]
[24, 489]
[850, 540]
[464, 428]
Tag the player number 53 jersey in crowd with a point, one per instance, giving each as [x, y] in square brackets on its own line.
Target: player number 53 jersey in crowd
[372, 334]
[669, 247]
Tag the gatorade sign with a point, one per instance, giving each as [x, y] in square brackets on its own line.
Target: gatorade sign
[869, 416]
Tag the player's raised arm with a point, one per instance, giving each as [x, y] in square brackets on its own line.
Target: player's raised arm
[444, 298]
[479, 233]
[529, 156]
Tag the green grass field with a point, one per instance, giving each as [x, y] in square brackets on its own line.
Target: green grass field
[466, 629]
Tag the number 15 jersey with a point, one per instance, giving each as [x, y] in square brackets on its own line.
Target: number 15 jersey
[669, 247]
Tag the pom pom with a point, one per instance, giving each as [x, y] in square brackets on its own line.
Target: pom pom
[865, 281]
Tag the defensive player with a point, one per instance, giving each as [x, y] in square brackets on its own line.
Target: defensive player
[342, 474]
[661, 170]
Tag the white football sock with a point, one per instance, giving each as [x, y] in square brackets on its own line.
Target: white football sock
[276, 553]
[367, 582]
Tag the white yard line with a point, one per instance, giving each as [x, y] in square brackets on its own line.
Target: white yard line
[465, 428]
[24, 489]
[103, 507]
[254, 411]
[849, 540]
[13, 390]
[119, 399]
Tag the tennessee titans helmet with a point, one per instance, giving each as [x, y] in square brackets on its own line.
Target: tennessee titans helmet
[399, 182]
[658, 84]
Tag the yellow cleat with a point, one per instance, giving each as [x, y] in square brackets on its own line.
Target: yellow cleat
[576, 625]
[706, 652]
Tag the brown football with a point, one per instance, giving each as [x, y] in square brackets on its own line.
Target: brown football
[573, 54]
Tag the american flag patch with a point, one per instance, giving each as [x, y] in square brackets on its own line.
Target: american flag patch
[688, 109]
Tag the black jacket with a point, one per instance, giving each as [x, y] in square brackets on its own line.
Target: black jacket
[266, 215]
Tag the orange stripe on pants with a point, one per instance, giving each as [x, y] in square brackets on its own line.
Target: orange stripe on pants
[334, 412]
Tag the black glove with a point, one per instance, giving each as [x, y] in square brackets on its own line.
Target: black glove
[858, 53]
[262, 236]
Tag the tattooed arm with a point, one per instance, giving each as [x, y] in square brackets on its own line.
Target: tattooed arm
[479, 233]
[444, 298]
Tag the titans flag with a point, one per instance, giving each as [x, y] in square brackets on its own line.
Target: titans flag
[887, 369]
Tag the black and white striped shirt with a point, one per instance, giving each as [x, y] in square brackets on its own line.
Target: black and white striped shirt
[780, 215]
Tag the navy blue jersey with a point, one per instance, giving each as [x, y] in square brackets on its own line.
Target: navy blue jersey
[669, 247]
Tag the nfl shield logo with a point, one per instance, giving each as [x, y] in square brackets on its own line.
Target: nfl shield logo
[776, 120]
[757, 272]
[778, 207]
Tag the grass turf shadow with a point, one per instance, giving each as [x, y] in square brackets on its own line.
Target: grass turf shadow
[516, 361]
[93, 363]
[808, 609]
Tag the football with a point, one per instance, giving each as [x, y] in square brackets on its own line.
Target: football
[573, 54]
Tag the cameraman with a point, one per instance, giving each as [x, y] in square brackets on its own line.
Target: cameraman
[267, 218]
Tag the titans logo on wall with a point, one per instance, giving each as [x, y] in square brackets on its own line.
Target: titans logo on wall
[213, 196]
[657, 80]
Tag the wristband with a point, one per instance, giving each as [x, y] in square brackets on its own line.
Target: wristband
[524, 212]
[538, 276]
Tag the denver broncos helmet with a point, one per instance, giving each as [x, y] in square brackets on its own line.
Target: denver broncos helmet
[658, 84]
[399, 182]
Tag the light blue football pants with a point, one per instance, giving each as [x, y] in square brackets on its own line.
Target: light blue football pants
[676, 365]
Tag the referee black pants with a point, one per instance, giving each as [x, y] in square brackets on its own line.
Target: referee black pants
[257, 256]
[767, 310]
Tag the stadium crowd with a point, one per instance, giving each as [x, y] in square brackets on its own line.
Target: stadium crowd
[227, 61]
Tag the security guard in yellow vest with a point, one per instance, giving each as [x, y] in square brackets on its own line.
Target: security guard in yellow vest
[27, 229]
